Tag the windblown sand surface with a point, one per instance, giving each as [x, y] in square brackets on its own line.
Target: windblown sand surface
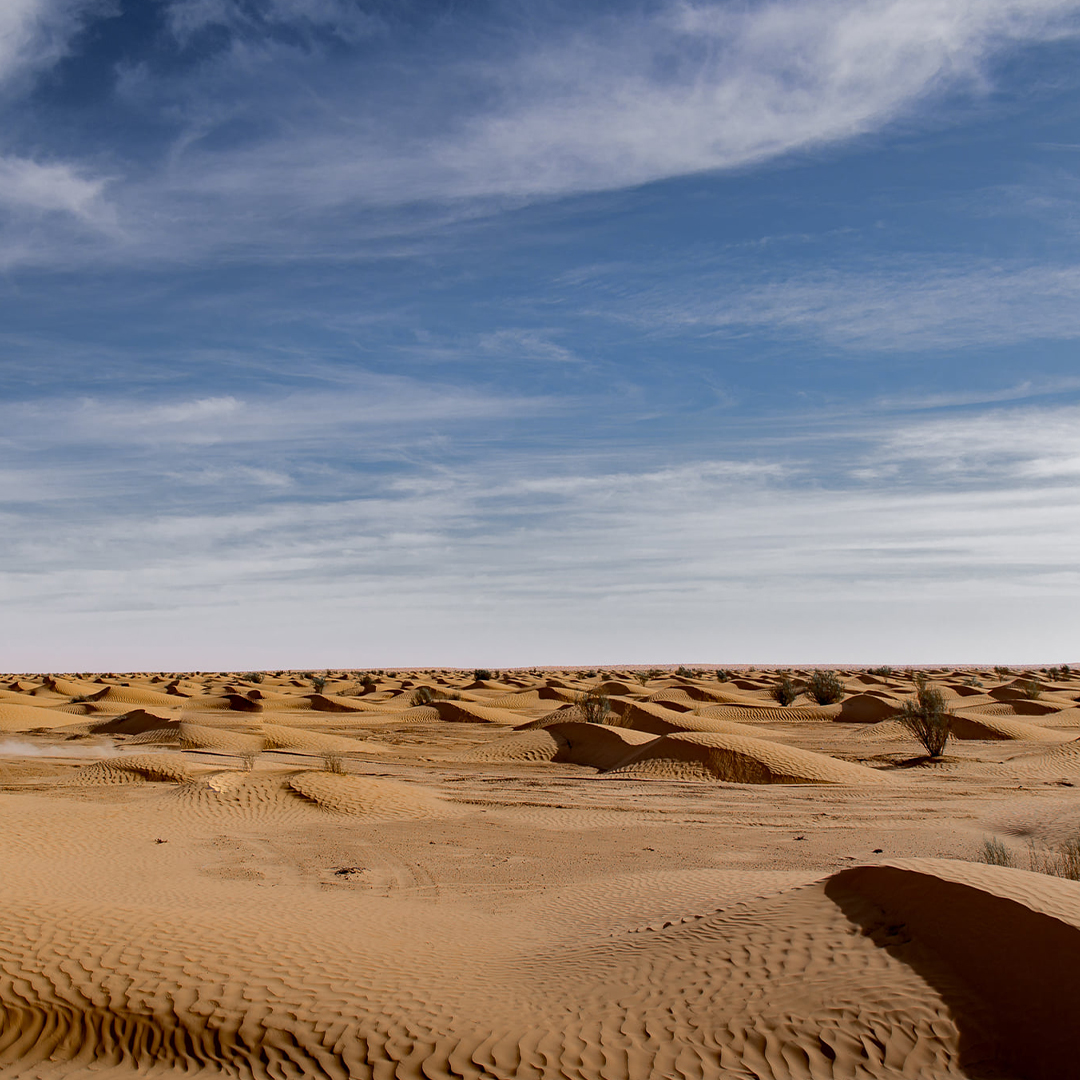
[286, 877]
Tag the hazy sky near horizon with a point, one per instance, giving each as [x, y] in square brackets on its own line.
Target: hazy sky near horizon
[383, 332]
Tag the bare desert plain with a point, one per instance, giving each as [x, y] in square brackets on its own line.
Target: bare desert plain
[426, 873]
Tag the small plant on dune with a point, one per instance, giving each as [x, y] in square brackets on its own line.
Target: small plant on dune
[926, 717]
[723, 675]
[253, 676]
[333, 763]
[1001, 672]
[366, 682]
[785, 691]
[642, 677]
[825, 687]
[684, 673]
[973, 680]
[994, 853]
[482, 674]
[592, 706]
[1062, 861]
[319, 683]
[884, 671]
[1030, 688]
[422, 695]
[247, 760]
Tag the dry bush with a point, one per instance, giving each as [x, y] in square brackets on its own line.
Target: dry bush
[825, 687]
[333, 763]
[785, 691]
[995, 853]
[247, 760]
[592, 706]
[1030, 688]
[482, 675]
[1062, 861]
[926, 717]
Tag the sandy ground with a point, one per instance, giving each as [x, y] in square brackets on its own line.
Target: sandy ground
[432, 876]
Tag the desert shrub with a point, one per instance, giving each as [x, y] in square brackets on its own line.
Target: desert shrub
[1001, 671]
[333, 763]
[785, 691]
[319, 683]
[723, 675]
[825, 687]
[685, 673]
[422, 695]
[588, 674]
[79, 698]
[994, 853]
[482, 674]
[926, 717]
[1029, 688]
[642, 677]
[253, 676]
[247, 760]
[1062, 861]
[366, 682]
[883, 672]
[973, 680]
[592, 706]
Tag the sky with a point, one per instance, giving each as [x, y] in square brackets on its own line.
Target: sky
[373, 333]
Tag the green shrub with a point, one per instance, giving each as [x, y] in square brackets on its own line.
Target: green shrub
[1001, 672]
[884, 671]
[482, 675]
[422, 695]
[685, 673]
[825, 687]
[926, 717]
[723, 675]
[785, 691]
[642, 677]
[253, 676]
[592, 706]
[319, 682]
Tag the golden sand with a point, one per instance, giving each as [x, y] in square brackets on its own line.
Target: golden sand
[300, 875]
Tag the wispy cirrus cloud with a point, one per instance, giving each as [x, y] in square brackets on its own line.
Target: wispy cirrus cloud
[609, 100]
[907, 304]
[734, 552]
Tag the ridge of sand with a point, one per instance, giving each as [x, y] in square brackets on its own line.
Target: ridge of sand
[697, 755]
[371, 798]
[866, 973]
[465, 712]
[133, 769]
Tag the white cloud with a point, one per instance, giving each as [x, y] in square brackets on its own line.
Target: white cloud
[35, 34]
[557, 557]
[30, 185]
[614, 102]
[908, 304]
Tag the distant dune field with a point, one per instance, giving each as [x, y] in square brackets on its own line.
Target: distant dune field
[423, 873]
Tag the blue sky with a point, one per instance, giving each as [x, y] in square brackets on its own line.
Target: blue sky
[336, 332]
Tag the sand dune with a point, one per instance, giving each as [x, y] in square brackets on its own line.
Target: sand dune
[698, 755]
[375, 800]
[704, 887]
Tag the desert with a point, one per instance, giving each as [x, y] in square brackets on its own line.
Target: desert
[440, 873]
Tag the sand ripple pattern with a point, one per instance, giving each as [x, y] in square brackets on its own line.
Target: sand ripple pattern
[827, 981]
